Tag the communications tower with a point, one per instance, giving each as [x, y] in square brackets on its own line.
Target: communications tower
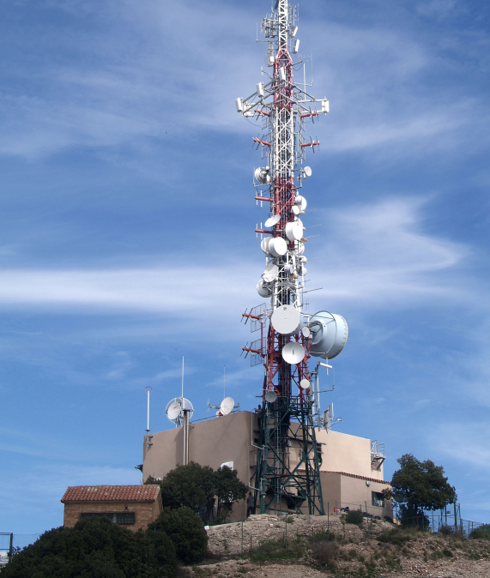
[287, 474]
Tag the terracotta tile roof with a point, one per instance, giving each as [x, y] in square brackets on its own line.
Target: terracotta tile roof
[148, 493]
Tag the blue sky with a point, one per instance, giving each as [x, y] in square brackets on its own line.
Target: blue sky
[127, 217]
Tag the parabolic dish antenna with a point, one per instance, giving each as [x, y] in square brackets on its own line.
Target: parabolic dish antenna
[307, 171]
[270, 396]
[271, 272]
[294, 230]
[300, 202]
[173, 410]
[306, 332]
[296, 210]
[263, 290]
[271, 221]
[293, 353]
[286, 320]
[264, 245]
[227, 405]
[277, 247]
[329, 334]
[176, 407]
[304, 384]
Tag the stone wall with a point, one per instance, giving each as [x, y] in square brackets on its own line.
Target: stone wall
[145, 512]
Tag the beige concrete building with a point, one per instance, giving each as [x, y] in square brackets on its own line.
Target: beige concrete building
[351, 469]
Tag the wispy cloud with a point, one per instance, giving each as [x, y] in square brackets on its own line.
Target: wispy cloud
[384, 256]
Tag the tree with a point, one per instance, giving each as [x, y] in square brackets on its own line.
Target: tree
[229, 489]
[94, 548]
[186, 531]
[197, 487]
[191, 486]
[418, 487]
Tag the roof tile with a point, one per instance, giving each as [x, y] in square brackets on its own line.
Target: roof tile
[146, 493]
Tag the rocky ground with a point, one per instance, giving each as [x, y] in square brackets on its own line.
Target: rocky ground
[314, 547]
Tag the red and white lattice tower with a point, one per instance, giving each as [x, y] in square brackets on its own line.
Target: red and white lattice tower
[287, 473]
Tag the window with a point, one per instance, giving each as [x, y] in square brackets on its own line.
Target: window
[116, 517]
[377, 499]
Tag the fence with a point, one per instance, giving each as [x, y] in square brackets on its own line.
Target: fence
[446, 522]
[11, 543]
[380, 512]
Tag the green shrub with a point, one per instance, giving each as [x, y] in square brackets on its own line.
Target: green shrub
[354, 517]
[481, 533]
[186, 531]
[396, 536]
[95, 547]
[326, 553]
[275, 550]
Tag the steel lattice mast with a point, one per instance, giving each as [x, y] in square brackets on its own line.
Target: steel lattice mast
[287, 473]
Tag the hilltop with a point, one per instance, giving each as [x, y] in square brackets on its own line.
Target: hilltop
[314, 547]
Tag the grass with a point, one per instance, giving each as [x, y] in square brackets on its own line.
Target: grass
[276, 551]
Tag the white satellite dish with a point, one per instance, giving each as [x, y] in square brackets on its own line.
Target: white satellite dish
[304, 384]
[293, 353]
[305, 332]
[264, 245]
[173, 410]
[329, 334]
[296, 210]
[271, 272]
[227, 405]
[176, 407]
[307, 171]
[270, 396]
[271, 221]
[286, 320]
[262, 175]
[303, 260]
[294, 230]
[300, 202]
[263, 290]
[277, 247]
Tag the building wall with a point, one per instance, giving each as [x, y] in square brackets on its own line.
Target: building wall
[211, 443]
[357, 495]
[331, 491]
[228, 438]
[345, 453]
[145, 512]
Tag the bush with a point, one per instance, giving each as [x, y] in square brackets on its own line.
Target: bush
[95, 547]
[354, 517]
[275, 550]
[326, 553]
[397, 536]
[186, 531]
[481, 533]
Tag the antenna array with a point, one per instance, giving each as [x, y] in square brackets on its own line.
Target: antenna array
[289, 337]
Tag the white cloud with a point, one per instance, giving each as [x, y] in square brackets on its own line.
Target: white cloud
[378, 254]
[468, 443]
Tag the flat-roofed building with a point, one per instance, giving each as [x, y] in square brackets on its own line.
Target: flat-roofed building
[351, 470]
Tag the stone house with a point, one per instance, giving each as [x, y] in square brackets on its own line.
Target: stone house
[133, 507]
